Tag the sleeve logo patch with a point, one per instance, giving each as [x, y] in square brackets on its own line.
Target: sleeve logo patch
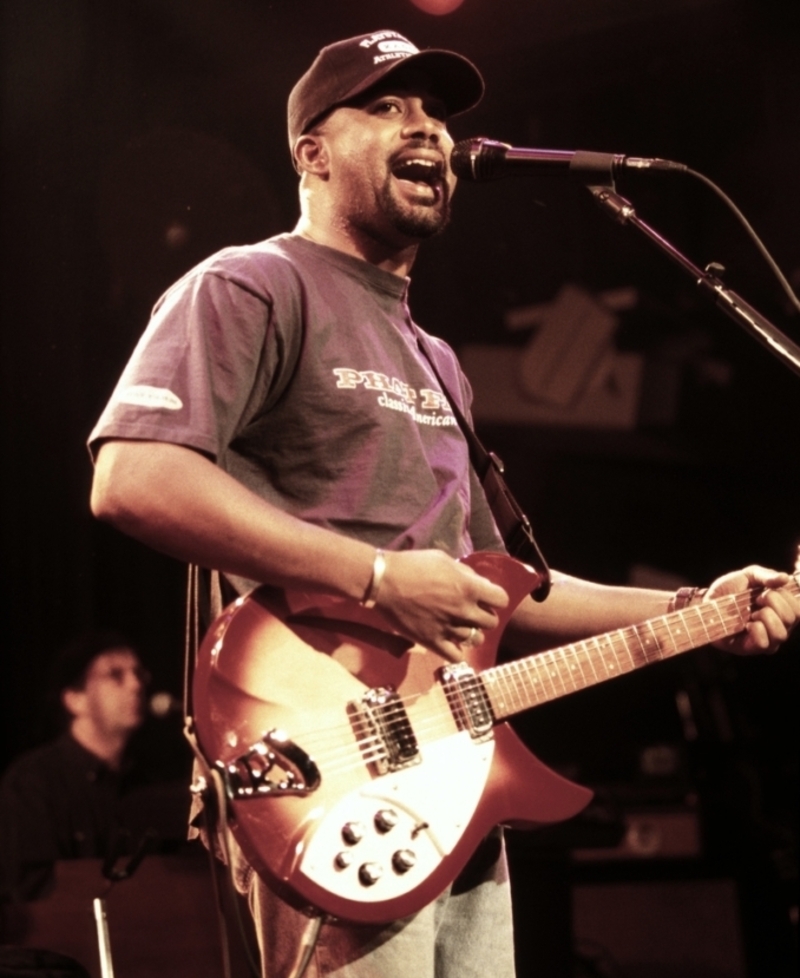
[142, 395]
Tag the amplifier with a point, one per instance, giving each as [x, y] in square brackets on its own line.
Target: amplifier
[651, 834]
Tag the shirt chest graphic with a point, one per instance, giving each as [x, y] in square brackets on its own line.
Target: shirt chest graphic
[424, 405]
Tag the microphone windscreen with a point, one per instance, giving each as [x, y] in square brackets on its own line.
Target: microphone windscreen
[477, 158]
[162, 704]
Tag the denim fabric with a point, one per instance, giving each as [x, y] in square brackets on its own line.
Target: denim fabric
[465, 933]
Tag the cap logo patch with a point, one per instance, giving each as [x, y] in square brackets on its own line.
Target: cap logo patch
[391, 47]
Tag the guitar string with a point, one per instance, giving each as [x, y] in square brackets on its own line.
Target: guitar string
[537, 663]
[367, 739]
[372, 749]
[580, 652]
[368, 746]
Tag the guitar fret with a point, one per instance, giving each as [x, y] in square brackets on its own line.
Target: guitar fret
[674, 637]
[641, 657]
[538, 685]
[613, 641]
[656, 643]
[589, 672]
[700, 618]
[546, 659]
[627, 646]
[599, 656]
[516, 687]
[573, 668]
[591, 661]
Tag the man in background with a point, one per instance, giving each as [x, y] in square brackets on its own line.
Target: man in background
[80, 795]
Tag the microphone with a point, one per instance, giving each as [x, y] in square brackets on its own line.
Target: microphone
[482, 159]
[163, 704]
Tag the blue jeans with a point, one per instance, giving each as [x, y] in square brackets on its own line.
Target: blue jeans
[465, 933]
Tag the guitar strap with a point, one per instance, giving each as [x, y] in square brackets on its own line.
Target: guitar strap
[204, 604]
[515, 527]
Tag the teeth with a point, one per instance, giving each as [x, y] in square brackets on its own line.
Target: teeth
[422, 170]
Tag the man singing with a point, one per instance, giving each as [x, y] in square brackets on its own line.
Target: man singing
[280, 422]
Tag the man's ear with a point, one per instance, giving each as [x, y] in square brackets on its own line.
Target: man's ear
[310, 155]
[73, 700]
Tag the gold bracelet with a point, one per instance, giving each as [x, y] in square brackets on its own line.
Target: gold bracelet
[378, 570]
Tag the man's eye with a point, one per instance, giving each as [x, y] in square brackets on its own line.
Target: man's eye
[386, 107]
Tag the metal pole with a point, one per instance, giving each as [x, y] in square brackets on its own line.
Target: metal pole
[103, 940]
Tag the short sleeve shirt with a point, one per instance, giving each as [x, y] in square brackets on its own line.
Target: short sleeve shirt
[298, 369]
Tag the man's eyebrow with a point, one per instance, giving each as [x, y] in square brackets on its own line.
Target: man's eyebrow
[396, 91]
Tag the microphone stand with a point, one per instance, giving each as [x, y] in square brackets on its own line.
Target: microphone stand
[708, 280]
[115, 874]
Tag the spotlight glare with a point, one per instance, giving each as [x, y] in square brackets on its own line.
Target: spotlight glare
[437, 7]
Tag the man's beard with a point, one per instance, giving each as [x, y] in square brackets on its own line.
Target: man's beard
[420, 221]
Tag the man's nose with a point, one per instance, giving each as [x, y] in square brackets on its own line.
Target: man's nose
[418, 122]
[135, 680]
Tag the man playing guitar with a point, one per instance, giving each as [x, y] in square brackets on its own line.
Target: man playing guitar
[279, 423]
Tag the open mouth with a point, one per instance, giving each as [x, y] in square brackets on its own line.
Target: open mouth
[424, 175]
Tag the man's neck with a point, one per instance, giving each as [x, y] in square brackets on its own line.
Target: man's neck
[395, 258]
[107, 747]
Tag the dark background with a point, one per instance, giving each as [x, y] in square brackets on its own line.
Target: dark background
[140, 136]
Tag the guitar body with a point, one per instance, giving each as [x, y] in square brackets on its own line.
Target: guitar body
[320, 811]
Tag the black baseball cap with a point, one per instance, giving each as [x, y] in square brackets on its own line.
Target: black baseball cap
[347, 68]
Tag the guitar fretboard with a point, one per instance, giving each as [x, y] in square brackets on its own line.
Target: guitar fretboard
[519, 685]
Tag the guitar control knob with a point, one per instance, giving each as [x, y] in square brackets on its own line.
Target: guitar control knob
[403, 860]
[343, 859]
[352, 832]
[386, 819]
[370, 873]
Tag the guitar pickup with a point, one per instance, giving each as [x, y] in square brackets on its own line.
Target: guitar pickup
[273, 766]
[468, 700]
[383, 730]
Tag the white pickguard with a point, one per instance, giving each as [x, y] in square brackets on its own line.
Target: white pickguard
[434, 802]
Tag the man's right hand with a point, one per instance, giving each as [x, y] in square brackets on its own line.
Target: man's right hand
[437, 601]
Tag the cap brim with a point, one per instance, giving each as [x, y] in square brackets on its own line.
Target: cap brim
[448, 76]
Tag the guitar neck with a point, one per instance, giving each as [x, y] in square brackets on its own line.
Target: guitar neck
[523, 683]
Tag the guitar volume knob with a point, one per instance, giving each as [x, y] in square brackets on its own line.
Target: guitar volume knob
[352, 832]
[370, 873]
[403, 860]
[386, 819]
[343, 859]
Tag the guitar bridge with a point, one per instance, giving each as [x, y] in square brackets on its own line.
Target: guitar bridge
[383, 729]
[468, 700]
[272, 767]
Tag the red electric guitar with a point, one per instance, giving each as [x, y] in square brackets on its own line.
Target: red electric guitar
[362, 772]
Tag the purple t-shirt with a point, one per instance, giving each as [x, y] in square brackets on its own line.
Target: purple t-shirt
[297, 369]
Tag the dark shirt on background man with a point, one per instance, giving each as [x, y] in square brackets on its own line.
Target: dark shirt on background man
[60, 801]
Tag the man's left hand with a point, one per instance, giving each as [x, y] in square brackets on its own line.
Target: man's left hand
[776, 613]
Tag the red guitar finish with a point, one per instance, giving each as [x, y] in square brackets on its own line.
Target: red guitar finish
[368, 808]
